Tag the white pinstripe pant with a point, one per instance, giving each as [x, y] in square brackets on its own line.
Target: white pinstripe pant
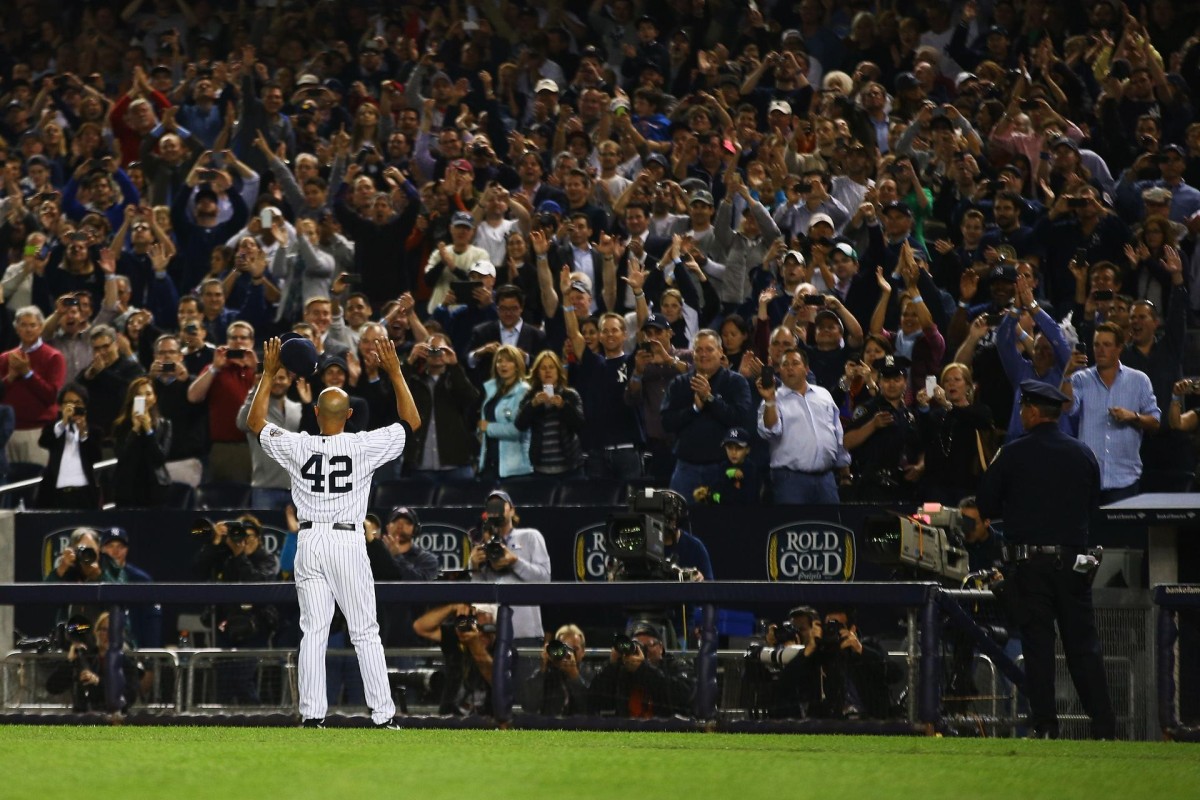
[332, 566]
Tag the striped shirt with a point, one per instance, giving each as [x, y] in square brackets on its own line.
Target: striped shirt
[1117, 445]
[331, 475]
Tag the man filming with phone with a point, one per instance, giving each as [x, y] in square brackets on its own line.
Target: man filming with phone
[803, 428]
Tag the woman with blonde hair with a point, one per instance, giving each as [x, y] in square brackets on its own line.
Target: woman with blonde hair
[958, 435]
[552, 412]
[504, 449]
[143, 439]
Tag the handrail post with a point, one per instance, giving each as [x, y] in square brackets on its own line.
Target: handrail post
[502, 666]
[929, 707]
[706, 665]
[114, 668]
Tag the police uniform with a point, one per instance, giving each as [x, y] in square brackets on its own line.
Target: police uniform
[880, 460]
[1044, 485]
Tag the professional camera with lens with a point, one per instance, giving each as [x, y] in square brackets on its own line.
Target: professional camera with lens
[557, 651]
[234, 529]
[831, 634]
[636, 539]
[86, 556]
[465, 623]
[488, 533]
[626, 645]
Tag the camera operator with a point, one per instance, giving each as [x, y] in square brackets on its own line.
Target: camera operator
[684, 549]
[83, 674]
[504, 554]
[639, 681]
[232, 553]
[559, 688]
[468, 636]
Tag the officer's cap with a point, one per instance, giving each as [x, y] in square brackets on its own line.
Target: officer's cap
[892, 366]
[1038, 393]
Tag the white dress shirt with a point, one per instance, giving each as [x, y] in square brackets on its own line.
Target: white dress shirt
[807, 437]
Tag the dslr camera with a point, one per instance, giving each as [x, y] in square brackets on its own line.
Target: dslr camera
[626, 645]
[465, 623]
[558, 651]
[831, 634]
[234, 529]
[493, 523]
[86, 556]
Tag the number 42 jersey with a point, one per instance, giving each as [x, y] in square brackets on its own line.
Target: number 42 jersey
[331, 475]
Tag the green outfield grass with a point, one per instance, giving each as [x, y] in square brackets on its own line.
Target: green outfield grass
[228, 763]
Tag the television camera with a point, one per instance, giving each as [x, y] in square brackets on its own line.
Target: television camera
[926, 544]
[636, 539]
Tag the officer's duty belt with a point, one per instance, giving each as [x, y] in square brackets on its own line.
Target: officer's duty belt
[1024, 552]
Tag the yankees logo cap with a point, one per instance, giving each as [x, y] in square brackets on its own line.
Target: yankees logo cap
[299, 355]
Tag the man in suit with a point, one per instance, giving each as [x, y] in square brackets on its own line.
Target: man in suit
[598, 263]
[641, 244]
[509, 328]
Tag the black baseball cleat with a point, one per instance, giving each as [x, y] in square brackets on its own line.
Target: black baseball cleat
[313, 723]
[392, 724]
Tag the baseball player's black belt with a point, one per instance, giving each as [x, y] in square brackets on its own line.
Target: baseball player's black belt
[1023, 552]
[337, 526]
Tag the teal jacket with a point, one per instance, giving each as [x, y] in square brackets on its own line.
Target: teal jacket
[514, 444]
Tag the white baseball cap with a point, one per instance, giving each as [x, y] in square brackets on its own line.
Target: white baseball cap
[821, 217]
[780, 105]
[545, 85]
[482, 267]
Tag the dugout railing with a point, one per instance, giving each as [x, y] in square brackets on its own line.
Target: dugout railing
[925, 606]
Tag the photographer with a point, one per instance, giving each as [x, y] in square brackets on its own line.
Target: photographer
[635, 683]
[82, 562]
[83, 674]
[468, 636]
[504, 554]
[558, 689]
[779, 672]
[232, 553]
[854, 671]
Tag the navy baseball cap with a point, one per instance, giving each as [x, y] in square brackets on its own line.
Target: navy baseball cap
[656, 321]
[299, 356]
[737, 436]
[658, 158]
[462, 218]
[898, 205]
[549, 207]
[1005, 272]
[114, 534]
[1037, 393]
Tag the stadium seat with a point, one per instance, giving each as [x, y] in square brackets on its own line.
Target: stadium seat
[417, 492]
[223, 495]
[461, 493]
[591, 492]
[537, 491]
[181, 495]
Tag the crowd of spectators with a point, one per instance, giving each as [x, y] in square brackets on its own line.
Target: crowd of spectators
[751, 250]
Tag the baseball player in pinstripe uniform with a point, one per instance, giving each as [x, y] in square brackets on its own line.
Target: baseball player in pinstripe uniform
[331, 480]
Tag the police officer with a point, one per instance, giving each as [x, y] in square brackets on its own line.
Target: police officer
[1044, 486]
[885, 440]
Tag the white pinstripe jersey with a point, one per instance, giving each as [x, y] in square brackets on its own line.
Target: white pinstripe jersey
[331, 475]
